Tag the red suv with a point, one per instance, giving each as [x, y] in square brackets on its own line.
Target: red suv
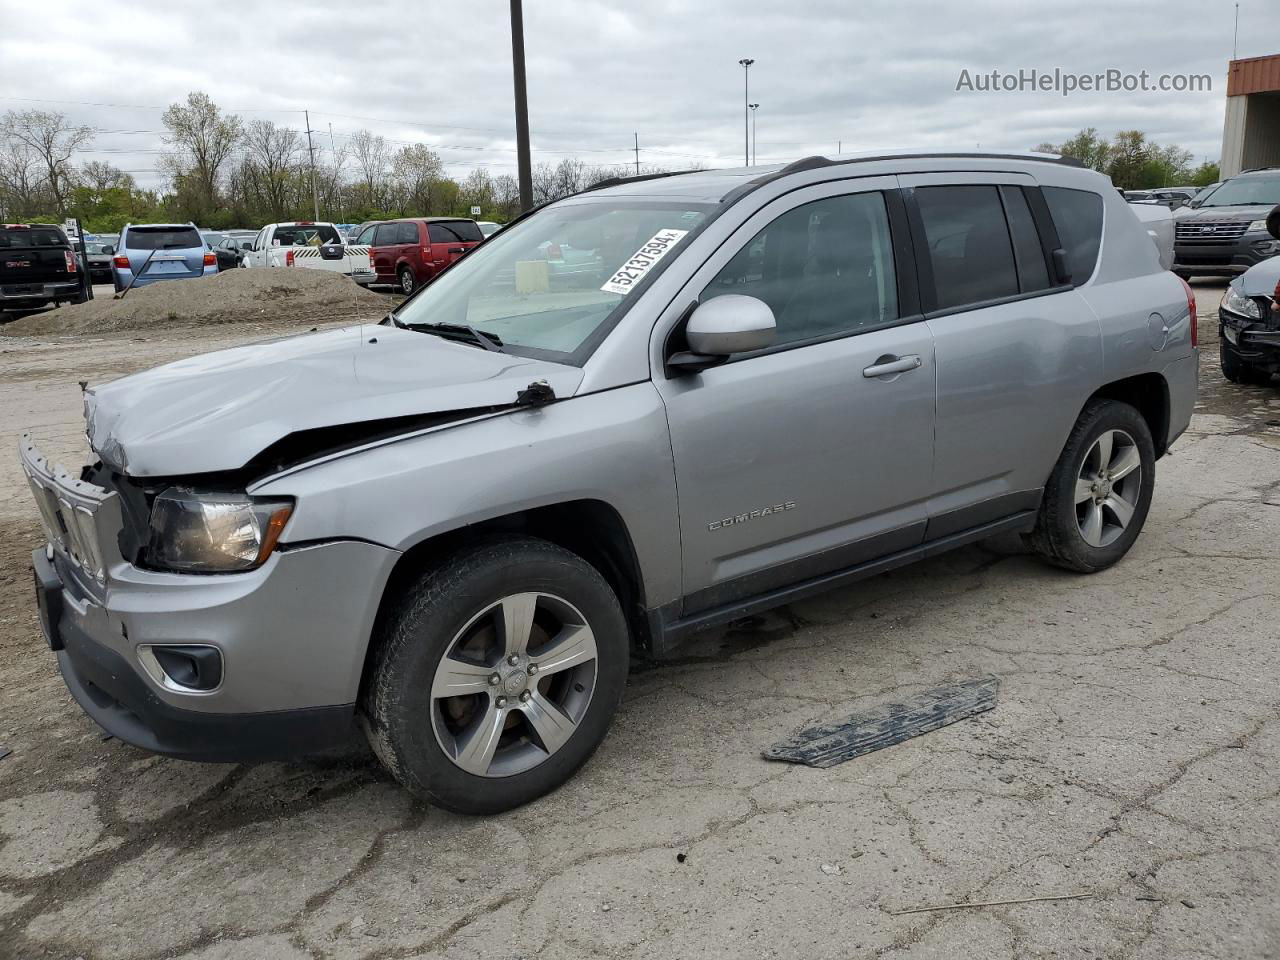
[409, 252]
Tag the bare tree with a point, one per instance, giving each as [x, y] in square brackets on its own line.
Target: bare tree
[98, 175]
[370, 153]
[48, 135]
[506, 196]
[417, 171]
[203, 139]
[477, 190]
[21, 184]
[272, 153]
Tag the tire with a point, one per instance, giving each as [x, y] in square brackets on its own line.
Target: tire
[1091, 534]
[462, 602]
[408, 281]
[1237, 371]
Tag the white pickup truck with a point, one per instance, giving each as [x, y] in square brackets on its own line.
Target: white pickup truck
[304, 243]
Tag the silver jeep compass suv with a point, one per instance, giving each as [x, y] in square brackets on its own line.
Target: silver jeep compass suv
[455, 526]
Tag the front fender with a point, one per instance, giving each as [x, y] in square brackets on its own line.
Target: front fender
[612, 446]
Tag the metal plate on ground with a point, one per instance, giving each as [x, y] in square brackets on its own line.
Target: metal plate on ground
[883, 726]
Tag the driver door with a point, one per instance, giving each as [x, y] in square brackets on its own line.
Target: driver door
[799, 460]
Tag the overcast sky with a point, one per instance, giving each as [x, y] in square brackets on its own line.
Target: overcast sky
[871, 73]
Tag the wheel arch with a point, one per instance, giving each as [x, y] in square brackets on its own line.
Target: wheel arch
[1148, 393]
[592, 529]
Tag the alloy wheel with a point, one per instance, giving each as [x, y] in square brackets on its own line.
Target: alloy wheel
[513, 685]
[1108, 488]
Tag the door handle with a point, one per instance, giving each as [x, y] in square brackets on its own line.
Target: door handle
[890, 364]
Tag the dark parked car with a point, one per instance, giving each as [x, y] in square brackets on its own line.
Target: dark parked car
[99, 255]
[38, 267]
[230, 250]
[1226, 234]
[407, 253]
[1249, 323]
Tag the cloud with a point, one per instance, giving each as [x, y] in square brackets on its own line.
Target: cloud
[871, 74]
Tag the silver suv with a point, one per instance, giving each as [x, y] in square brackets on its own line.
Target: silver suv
[456, 526]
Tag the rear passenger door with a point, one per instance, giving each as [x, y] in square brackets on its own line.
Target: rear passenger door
[1016, 348]
[383, 251]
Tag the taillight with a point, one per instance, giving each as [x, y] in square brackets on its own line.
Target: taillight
[71, 261]
[554, 252]
[210, 259]
[288, 258]
[121, 262]
[371, 261]
[1191, 307]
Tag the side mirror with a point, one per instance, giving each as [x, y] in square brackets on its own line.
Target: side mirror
[723, 326]
[1273, 222]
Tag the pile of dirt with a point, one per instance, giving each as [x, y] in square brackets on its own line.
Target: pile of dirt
[283, 295]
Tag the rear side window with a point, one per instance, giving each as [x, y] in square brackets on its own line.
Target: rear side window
[443, 233]
[1078, 216]
[1033, 272]
[468, 230]
[968, 242]
[162, 238]
[29, 237]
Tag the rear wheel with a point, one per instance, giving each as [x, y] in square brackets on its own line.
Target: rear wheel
[1237, 371]
[407, 280]
[497, 676]
[1097, 498]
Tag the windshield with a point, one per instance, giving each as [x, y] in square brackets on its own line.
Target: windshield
[306, 235]
[546, 285]
[1245, 191]
[162, 238]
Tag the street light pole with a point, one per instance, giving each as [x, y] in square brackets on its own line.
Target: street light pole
[523, 163]
[746, 111]
[754, 107]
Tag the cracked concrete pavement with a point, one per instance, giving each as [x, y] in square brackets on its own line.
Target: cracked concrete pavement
[1134, 757]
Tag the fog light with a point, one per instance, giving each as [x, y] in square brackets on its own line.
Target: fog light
[183, 668]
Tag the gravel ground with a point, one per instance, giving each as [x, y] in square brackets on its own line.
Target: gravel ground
[1134, 759]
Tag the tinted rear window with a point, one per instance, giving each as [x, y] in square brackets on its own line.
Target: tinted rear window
[1078, 216]
[162, 238]
[455, 231]
[969, 244]
[311, 235]
[37, 237]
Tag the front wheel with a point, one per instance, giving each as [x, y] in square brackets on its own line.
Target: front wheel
[1098, 495]
[497, 676]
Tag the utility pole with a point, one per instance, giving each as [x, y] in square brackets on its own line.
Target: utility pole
[839, 146]
[522, 107]
[334, 150]
[637, 136]
[753, 106]
[746, 111]
[311, 152]
[1235, 36]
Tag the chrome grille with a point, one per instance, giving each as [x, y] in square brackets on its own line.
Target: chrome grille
[1211, 231]
[74, 513]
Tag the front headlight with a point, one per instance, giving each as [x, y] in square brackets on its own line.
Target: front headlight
[1234, 302]
[213, 532]
[1258, 225]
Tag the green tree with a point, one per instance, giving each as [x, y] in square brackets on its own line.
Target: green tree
[1205, 174]
[202, 139]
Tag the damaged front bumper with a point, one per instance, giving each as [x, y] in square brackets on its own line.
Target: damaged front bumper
[287, 639]
[1255, 341]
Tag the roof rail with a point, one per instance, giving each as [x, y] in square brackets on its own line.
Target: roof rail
[619, 181]
[1260, 169]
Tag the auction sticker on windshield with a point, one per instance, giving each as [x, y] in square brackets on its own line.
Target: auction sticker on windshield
[642, 261]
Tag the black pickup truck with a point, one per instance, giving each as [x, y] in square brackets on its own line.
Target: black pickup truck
[38, 267]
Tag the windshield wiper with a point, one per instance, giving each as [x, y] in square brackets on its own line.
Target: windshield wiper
[463, 332]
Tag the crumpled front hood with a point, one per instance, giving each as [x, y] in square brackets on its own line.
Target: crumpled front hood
[216, 411]
[1260, 280]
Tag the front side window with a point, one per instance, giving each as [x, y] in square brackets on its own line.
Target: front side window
[824, 268]
[1077, 215]
[551, 285]
[366, 235]
[968, 244]
[386, 234]
[406, 232]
